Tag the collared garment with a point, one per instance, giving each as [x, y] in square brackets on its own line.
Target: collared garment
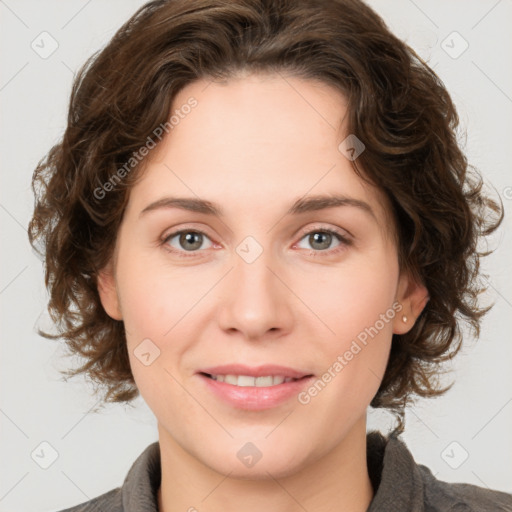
[399, 483]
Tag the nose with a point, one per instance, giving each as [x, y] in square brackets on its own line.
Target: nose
[256, 303]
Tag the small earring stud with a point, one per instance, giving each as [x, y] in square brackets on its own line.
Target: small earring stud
[404, 319]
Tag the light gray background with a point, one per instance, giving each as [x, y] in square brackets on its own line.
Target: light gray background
[96, 450]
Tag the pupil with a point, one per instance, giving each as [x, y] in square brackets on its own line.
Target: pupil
[317, 238]
[189, 238]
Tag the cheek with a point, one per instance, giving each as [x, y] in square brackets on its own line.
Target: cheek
[353, 297]
[358, 306]
[155, 298]
[161, 313]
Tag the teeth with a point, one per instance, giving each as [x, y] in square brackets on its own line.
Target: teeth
[248, 381]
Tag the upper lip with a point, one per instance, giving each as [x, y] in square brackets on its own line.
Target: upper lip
[254, 371]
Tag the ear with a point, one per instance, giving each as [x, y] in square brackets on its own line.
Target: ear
[108, 292]
[413, 296]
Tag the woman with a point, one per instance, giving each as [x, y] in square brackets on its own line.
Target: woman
[260, 220]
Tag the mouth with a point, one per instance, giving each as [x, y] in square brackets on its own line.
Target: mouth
[251, 381]
[255, 389]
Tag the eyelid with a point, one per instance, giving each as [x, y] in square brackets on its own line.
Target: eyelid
[342, 233]
[184, 229]
[302, 232]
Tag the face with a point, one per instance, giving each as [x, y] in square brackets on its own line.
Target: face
[269, 279]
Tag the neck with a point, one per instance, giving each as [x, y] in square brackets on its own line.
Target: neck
[337, 480]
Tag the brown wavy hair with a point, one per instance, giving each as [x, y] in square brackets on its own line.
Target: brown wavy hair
[397, 106]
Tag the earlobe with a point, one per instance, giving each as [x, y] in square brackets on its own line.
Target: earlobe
[413, 296]
[108, 293]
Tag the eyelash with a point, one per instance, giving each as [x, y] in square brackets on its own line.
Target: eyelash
[329, 252]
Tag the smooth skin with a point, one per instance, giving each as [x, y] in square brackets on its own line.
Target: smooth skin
[253, 146]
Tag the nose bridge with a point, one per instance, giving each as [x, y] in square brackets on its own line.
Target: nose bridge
[256, 300]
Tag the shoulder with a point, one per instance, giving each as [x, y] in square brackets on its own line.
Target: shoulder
[403, 485]
[441, 496]
[138, 492]
[110, 501]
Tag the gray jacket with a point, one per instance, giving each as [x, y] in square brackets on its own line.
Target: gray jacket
[401, 485]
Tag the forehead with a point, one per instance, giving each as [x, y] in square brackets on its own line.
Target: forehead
[253, 141]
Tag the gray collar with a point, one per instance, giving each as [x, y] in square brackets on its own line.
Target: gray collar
[399, 483]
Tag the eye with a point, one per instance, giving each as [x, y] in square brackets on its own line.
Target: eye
[321, 239]
[191, 241]
[187, 240]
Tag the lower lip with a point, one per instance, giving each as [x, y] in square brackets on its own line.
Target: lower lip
[256, 398]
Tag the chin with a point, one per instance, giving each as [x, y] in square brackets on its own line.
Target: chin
[256, 461]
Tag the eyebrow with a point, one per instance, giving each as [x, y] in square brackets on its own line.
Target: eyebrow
[302, 205]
